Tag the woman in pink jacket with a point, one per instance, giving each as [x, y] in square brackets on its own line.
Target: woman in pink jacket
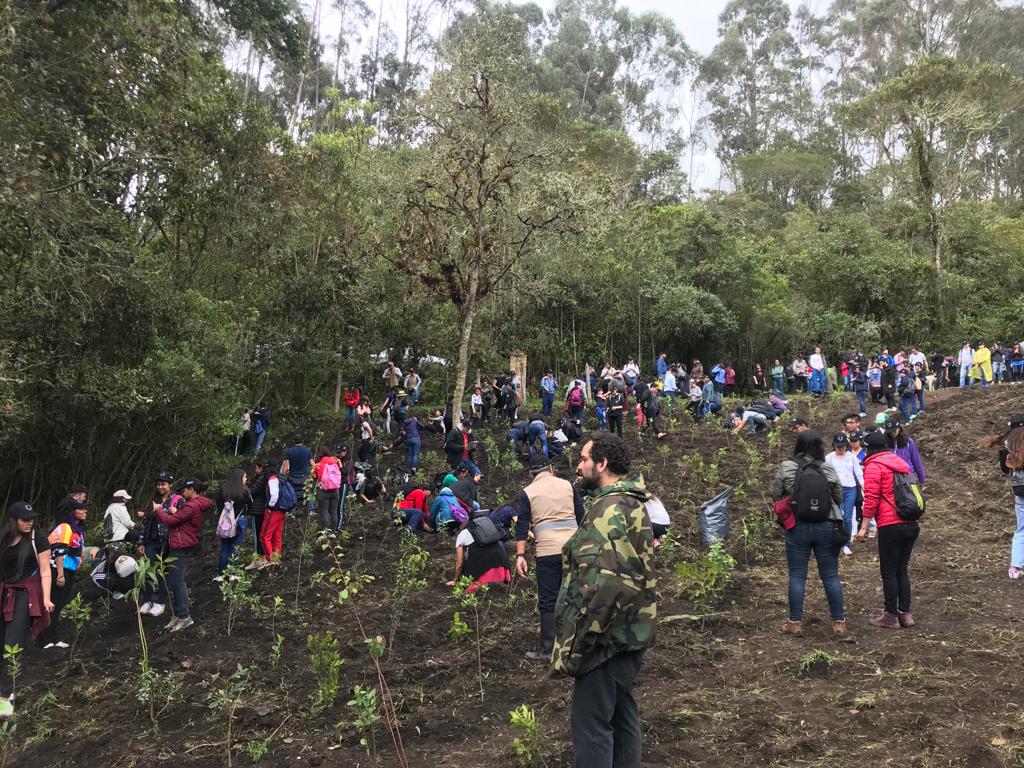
[896, 536]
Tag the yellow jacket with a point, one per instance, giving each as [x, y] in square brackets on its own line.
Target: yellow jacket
[982, 364]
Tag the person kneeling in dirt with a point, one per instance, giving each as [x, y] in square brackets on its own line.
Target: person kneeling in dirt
[479, 553]
[743, 417]
[414, 509]
[446, 512]
[606, 612]
[552, 508]
[811, 489]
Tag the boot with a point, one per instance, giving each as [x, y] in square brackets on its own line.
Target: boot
[791, 627]
[546, 643]
[839, 627]
[906, 618]
[885, 621]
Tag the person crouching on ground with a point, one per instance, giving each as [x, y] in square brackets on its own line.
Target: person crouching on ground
[606, 613]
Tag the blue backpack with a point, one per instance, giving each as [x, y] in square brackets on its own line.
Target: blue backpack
[286, 500]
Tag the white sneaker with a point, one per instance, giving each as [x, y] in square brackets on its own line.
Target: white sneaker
[218, 579]
[61, 644]
[182, 624]
[157, 610]
[146, 608]
[48, 646]
[170, 625]
[117, 595]
[862, 414]
[253, 565]
[846, 550]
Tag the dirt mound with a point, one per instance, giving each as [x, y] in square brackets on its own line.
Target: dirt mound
[722, 688]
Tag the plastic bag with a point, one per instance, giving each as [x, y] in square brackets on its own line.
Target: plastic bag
[713, 517]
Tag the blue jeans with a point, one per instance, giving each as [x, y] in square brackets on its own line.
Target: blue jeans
[984, 380]
[159, 593]
[229, 547]
[514, 437]
[779, 384]
[414, 395]
[260, 437]
[414, 453]
[907, 406]
[538, 434]
[862, 401]
[350, 415]
[920, 399]
[176, 581]
[800, 542]
[849, 507]
[1017, 547]
[473, 468]
[817, 380]
[998, 371]
[602, 421]
[413, 518]
[548, 402]
[964, 372]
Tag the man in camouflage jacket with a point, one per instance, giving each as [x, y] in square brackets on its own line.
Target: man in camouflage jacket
[607, 608]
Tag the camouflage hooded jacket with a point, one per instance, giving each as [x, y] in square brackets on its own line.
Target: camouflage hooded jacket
[607, 603]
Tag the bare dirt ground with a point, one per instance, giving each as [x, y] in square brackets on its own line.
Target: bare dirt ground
[722, 689]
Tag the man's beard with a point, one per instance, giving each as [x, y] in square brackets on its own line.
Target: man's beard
[588, 483]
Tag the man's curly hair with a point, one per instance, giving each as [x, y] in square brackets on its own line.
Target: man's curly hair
[605, 445]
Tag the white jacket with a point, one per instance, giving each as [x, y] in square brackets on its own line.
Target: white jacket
[121, 520]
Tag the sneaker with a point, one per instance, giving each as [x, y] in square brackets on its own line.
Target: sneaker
[182, 624]
[218, 579]
[170, 625]
[862, 414]
[48, 646]
[839, 627]
[846, 550]
[1015, 573]
[233, 577]
[117, 595]
[656, 543]
[61, 644]
[254, 565]
[146, 608]
[157, 610]
[6, 708]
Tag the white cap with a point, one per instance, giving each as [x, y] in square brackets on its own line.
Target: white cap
[122, 494]
[125, 566]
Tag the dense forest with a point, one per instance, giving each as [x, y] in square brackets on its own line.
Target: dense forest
[203, 204]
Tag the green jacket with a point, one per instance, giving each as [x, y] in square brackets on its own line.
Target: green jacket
[607, 603]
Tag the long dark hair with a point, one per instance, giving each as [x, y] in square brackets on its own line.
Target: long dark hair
[232, 487]
[8, 531]
[897, 441]
[808, 443]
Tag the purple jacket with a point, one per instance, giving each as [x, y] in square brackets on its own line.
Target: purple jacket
[910, 455]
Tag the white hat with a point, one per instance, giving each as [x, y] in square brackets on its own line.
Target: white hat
[125, 566]
[122, 494]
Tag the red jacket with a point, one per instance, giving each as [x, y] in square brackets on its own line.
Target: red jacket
[352, 398]
[879, 501]
[417, 499]
[185, 525]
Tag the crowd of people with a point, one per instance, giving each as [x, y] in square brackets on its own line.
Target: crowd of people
[592, 541]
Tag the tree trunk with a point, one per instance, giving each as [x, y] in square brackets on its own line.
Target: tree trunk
[337, 392]
[469, 314]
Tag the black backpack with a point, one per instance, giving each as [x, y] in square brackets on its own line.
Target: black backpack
[812, 494]
[484, 531]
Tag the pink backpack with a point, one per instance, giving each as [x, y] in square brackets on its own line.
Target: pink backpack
[330, 477]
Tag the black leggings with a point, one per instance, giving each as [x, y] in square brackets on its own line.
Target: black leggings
[60, 596]
[14, 632]
[895, 544]
[615, 422]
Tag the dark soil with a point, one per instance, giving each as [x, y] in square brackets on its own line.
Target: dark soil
[723, 690]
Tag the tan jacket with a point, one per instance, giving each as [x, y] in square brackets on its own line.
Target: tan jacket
[552, 515]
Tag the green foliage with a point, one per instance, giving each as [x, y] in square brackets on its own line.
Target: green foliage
[326, 661]
[80, 614]
[275, 651]
[704, 580]
[364, 705]
[525, 747]
[459, 630]
[236, 591]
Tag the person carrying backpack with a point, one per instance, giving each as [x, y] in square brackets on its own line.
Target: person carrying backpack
[479, 553]
[234, 500]
[615, 408]
[280, 501]
[886, 483]
[815, 493]
[328, 496]
[117, 520]
[574, 401]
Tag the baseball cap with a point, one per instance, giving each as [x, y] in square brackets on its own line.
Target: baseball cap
[840, 440]
[77, 488]
[798, 422]
[190, 482]
[1017, 420]
[875, 441]
[892, 424]
[538, 463]
[856, 436]
[21, 510]
[165, 477]
[122, 494]
[881, 418]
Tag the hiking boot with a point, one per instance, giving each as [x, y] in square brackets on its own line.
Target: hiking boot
[791, 627]
[906, 618]
[170, 625]
[839, 627]
[885, 621]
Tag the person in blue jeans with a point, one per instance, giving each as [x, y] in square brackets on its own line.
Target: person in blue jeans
[410, 435]
[851, 477]
[538, 433]
[798, 478]
[548, 387]
[234, 491]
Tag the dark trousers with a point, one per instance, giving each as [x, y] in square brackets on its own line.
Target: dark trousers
[801, 541]
[549, 581]
[14, 632]
[59, 596]
[327, 509]
[615, 422]
[895, 544]
[176, 581]
[605, 718]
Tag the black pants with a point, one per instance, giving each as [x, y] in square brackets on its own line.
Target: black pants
[605, 719]
[14, 632]
[615, 422]
[895, 543]
[59, 596]
[549, 581]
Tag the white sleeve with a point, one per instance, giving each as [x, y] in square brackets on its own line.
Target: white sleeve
[273, 488]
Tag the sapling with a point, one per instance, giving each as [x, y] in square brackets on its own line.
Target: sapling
[364, 704]
[527, 746]
[470, 598]
[236, 591]
[275, 651]
[80, 614]
[152, 686]
[12, 658]
[326, 661]
[229, 697]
